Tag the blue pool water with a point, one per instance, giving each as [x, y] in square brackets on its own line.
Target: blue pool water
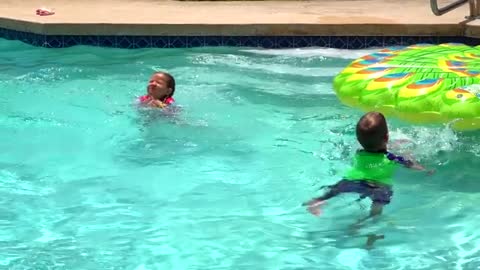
[87, 181]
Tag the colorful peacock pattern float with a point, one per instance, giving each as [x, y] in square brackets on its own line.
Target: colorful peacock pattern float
[421, 83]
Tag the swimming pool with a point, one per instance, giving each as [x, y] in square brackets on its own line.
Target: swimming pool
[87, 181]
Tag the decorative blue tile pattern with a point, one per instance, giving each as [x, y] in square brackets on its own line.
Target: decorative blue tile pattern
[231, 41]
[298, 42]
[356, 42]
[69, 41]
[322, 41]
[133, 42]
[213, 41]
[104, 41]
[339, 42]
[159, 42]
[177, 42]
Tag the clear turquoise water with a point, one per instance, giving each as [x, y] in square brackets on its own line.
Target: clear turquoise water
[87, 181]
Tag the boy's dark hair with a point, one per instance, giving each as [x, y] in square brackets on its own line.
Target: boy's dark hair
[372, 131]
[170, 81]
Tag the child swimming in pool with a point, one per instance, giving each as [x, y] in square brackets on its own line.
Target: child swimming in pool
[160, 90]
[372, 170]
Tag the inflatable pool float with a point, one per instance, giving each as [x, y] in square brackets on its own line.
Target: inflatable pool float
[421, 83]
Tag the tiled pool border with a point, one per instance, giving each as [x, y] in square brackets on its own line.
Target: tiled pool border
[132, 42]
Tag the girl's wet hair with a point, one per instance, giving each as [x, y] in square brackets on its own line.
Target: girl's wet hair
[372, 130]
[170, 81]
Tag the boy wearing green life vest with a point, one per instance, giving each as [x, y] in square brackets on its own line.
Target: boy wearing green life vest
[373, 167]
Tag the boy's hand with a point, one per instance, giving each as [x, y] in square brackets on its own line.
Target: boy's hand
[314, 206]
[419, 167]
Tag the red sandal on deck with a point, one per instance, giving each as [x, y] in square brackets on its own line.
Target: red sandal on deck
[45, 12]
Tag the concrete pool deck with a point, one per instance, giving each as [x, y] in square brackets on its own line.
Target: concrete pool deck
[237, 18]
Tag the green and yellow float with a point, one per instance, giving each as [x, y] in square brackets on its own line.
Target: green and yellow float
[421, 83]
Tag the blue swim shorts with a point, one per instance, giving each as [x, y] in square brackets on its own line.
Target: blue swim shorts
[377, 193]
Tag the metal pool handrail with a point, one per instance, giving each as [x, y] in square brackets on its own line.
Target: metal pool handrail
[473, 4]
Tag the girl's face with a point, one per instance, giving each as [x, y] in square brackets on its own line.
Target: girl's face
[158, 88]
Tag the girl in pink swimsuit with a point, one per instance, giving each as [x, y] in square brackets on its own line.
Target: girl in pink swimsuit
[160, 91]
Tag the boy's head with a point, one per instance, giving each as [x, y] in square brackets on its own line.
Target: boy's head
[372, 131]
[161, 85]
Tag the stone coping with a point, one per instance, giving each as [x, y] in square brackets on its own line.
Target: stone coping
[236, 18]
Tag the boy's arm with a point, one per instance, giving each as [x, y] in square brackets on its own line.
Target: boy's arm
[416, 166]
[408, 163]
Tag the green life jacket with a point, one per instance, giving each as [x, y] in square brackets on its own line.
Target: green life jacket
[373, 167]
